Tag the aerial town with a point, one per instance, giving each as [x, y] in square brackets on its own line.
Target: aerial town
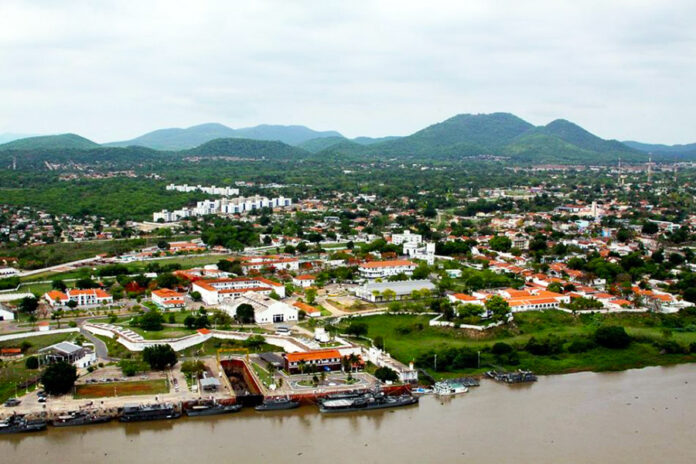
[334, 299]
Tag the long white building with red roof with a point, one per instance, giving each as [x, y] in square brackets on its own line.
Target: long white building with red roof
[86, 297]
[381, 269]
[217, 291]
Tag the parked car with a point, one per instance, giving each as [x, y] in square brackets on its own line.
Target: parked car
[12, 402]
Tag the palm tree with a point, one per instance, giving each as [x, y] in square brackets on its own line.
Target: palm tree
[353, 358]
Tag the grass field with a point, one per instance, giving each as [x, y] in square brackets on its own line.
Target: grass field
[138, 387]
[407, 337]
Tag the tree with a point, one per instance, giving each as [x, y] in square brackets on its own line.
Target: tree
[497, 307]
[421, 271]
[160, 356]
[59, 378]
[500, 243]
[612, 336]
[310, 295]
[650, 228]
[245, 313]
[72, 304]
[192, 368]
[28, 304]
[151, 320]
[357, 329]
[32, 362]
[386, 374]
[555, 287]
[167, 280]
[254, 342]
[378, 342]
[163, 245]
[58, 285]
[196, 296]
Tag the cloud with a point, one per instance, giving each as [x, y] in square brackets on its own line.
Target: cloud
[115, 69]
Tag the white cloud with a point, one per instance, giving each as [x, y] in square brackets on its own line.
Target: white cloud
[113, 70]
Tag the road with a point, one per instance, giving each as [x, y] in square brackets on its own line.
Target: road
[99, 346]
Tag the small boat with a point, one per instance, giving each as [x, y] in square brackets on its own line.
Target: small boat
[17, 423]
[79, 418]
[211, 408]
[277, 404]
[422, 391]
[449, 388]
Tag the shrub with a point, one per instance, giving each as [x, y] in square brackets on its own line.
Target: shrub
[501, 348]
[386, 374]
[159, 356]
[612, 336]
[550, 345]
[59, 378]
[581, 345]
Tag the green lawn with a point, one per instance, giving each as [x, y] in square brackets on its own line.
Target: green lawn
[13, 373]
[409, 336]
[262, 374]
[136, 387]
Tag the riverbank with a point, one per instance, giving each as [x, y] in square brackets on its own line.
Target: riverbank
[636, 416]
[546, 342]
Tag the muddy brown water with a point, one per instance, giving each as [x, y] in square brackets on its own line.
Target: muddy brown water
[637, 416]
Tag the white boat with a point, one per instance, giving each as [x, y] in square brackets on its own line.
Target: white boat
[449, 388]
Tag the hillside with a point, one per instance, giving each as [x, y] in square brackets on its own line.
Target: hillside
[665, 151]
[50, 142]
[292, 135]
[191, 137]
[579, 137]
[246, 148]
[178, 139]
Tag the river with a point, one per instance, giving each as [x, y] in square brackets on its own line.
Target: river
[636, 416]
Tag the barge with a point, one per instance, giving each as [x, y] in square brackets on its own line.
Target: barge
[366, 402]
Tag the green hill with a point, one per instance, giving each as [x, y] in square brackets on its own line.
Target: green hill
[178, 139]
[579, 137]
[50, 142]
[246, 148]
[191, 137]
[664, 151]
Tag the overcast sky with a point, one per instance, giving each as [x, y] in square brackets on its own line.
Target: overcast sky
[114, 70]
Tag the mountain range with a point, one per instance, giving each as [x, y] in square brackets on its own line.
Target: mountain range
[462, 136]
[181, 139]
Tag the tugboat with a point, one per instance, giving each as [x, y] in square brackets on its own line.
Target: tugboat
[277, 404]
[210, 408]
[449, 388]
[17, 423]
[79, 418]
[367, 402]
[138, 413]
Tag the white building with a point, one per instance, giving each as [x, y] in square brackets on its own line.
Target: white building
[257, 263]
[6, 314]
[425, 252]
[225, 206]
[86, 297]
[217, 291]
[212, 190]
[381, 269]
[402, 290]
[168, 299]
[406, 237]
[304, 281]
[266, 309]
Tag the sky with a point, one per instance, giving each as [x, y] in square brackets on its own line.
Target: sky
[113, 70]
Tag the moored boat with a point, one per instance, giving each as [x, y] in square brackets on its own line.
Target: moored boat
[138, 413]
[367, 402]
[277, 404]
[79, 418]
[449, 388]
[18, 423]
[210, 408]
